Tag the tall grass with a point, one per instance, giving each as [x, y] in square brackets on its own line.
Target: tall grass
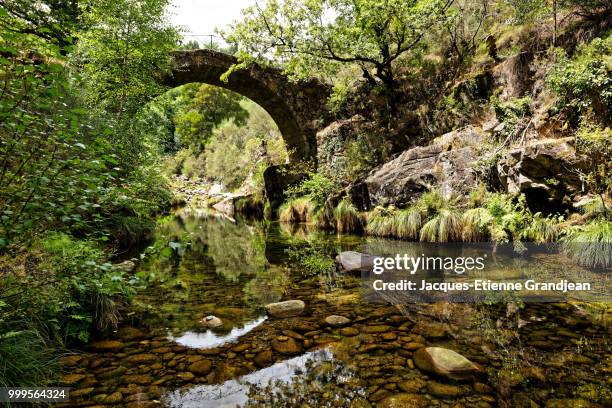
[296, 210]
[408, 223]
[347, 218]
[25, 359]
[590, 244]
[476, 224]
[446, 226]
[380, 223]
[324, 218]
[541, 229]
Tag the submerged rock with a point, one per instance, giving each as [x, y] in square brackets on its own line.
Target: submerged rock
[405, 400]
[445, 362]
[107, 345]
[288, 308]
[286, 345]
[201, 367]
[336, 321]
[211, 322]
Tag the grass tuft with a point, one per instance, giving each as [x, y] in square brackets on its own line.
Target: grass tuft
[347, 217]
[590, 244]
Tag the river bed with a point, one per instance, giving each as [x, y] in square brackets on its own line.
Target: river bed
[201, 264]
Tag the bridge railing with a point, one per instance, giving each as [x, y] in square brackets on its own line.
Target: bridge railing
[207, 41]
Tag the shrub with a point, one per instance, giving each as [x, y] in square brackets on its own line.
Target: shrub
[317, 187]
[583, 82]
[541, 229]
[590, 244]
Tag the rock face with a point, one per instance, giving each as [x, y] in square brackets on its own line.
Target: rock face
[445, 362]
[288, 308]
[276, 180]
[543, 172]
[402, 180]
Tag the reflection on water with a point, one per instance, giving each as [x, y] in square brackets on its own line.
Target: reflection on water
[210, 339]
[236, 392]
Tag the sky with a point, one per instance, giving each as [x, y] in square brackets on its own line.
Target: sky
[201, 17]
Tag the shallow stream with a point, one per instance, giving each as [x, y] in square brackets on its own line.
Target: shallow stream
[544, 354]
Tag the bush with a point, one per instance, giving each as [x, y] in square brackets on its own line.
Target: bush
[583, 82]
[316, 187]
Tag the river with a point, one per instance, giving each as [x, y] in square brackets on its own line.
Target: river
[202, 264]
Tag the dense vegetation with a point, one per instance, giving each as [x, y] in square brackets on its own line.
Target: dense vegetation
[91, 143]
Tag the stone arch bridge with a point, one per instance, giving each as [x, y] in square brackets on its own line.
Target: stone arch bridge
[298, 108]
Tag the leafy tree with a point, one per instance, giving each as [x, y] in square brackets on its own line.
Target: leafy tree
[584, 81]
[202, 108]
[316, 37]
[53, 20]
[120, 56]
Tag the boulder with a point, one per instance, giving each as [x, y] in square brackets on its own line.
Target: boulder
[445, 362]
[225, 206]
[211, 322]
[543, 172]
[288, 308]
[352, 261]
[337, 321]
[446, 165]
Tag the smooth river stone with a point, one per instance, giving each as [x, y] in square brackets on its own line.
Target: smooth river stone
[288, 308]
[336, 321]
[445, 362]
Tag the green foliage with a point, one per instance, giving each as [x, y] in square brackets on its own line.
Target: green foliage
[476, 223]
[526, 11]
[445, 226]
[201, 108]
[317, 187]
[591, 244]
[584, 82]
[120, 55]
[408, 223]
[237, 154]
[595, 144]
[325, 34]
[542, 229]
[25, 360]
[380, 224]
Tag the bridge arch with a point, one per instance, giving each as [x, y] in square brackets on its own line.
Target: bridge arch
[298, 108]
